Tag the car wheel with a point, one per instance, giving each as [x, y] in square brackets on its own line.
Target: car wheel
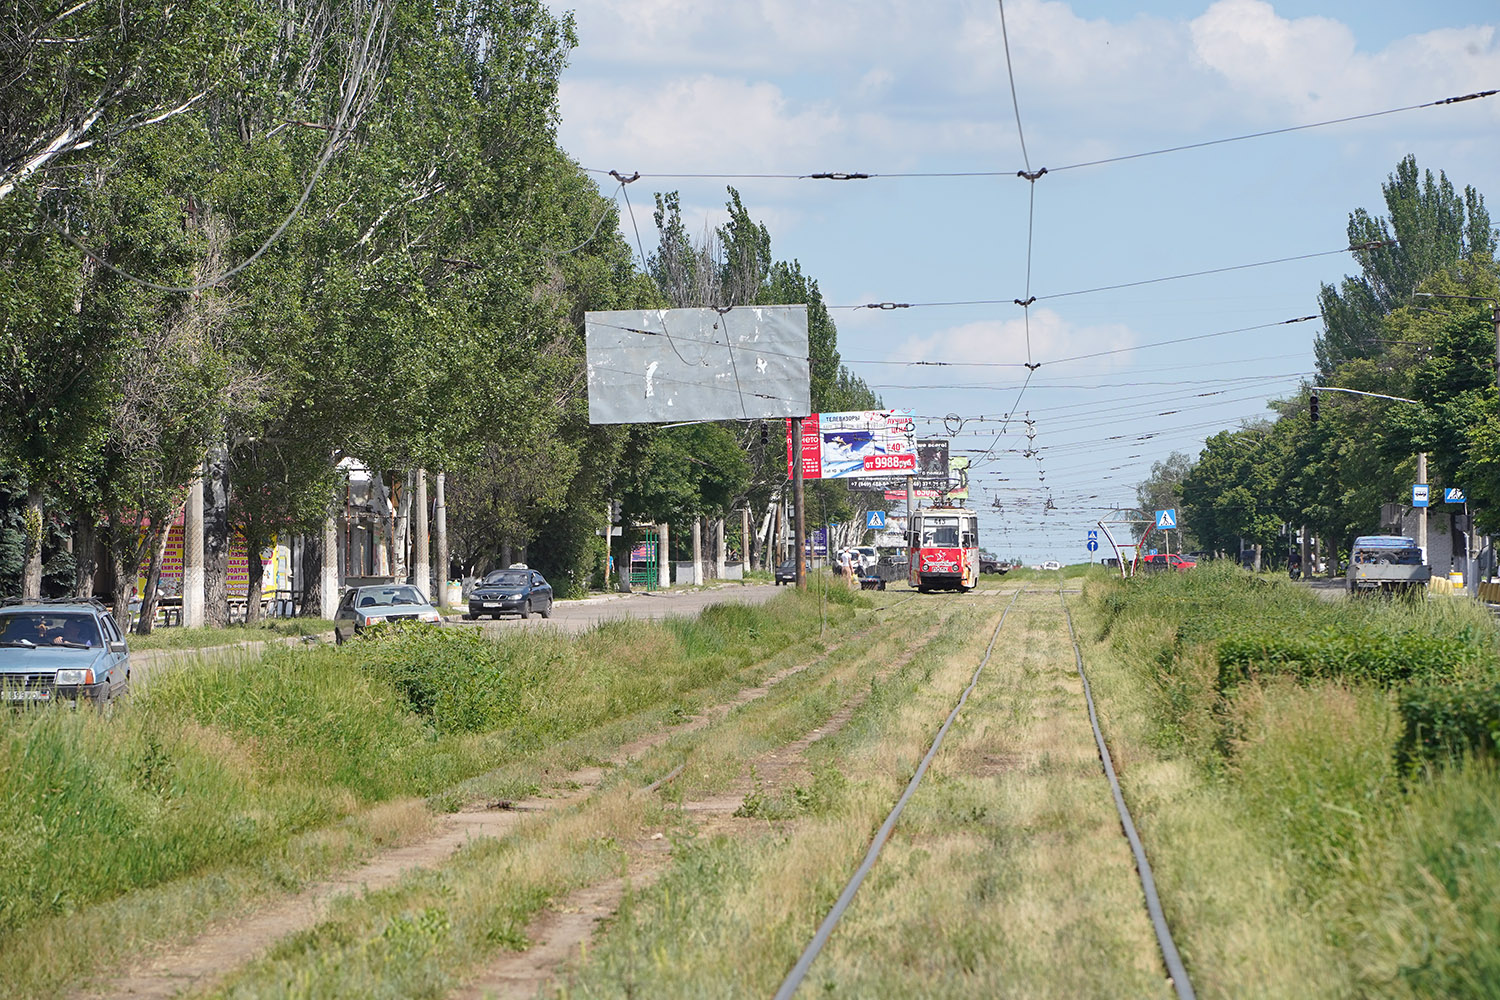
[469, 616]
[526, 610]
[547, 611]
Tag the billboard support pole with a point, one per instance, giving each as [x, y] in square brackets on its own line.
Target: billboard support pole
[911, 509]
[799, 522]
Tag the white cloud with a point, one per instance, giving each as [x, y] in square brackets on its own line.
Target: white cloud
[693, 124]
[1005, 342]
[1312, 66]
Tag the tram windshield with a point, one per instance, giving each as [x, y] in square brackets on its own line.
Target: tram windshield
[940, 532]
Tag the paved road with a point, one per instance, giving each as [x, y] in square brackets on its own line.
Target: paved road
[579, 616]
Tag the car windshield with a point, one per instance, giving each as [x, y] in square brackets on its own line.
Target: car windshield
[386, 597]
[49, 629]
[508, 577]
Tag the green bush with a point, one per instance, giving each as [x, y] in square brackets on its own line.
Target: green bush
[455, 678]
[1445, 723]
[1356, 651]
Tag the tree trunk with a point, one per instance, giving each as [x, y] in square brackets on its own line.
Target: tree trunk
[85, 556]
[216, 537]
[124, 560]
[255, 573]
[31, 575]
[312, 574]
[159, 534]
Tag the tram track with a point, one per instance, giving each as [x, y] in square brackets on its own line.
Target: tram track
[1177, 975]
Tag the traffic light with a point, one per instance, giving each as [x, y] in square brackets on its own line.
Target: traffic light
[1312, 407]
[765, 434]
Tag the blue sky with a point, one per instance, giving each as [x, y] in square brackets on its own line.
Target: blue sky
[878, 86]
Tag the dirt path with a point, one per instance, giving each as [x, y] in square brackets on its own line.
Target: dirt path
[223, 947]
[563, 930]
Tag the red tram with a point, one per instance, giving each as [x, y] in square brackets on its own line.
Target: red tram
[944, 549]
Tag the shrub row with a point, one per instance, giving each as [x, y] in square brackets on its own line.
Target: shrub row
[1443, 723]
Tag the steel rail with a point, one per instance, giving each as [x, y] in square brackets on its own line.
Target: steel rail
[825, 929]
[1175, 969]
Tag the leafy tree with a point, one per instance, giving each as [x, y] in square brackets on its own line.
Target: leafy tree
[1430, 228]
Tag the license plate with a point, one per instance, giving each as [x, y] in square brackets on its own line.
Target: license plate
[26, 695]
[492, 604]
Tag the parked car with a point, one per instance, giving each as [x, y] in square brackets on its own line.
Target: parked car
[61, 650]
[514, 591]
[372, 604]
[1051, 564]
[1167, 560]
[786, 572]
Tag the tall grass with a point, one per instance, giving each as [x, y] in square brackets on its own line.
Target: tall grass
[1288, 713]
[222, 760]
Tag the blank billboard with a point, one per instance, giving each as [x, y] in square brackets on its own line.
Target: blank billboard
[665, 365]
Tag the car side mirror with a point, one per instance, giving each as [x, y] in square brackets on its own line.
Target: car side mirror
[117, 647]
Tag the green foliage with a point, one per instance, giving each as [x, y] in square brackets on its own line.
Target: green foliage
[1446, 723]
[455, 679]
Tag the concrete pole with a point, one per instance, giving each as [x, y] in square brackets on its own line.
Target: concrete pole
[697, 551]
[421, 542]
[442, 539]
[745, 547]
[664, 556]
[1307, 566]
[1422, 511]
[192, 555]
[330, 568]
[719, 561]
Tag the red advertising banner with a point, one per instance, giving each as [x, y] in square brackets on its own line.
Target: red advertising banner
[812, 449]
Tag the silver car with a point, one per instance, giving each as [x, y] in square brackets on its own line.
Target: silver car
[362, 607]
[61, 651]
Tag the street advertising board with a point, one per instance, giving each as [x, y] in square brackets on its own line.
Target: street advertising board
[670, 365]
[855, 444]
[932, 458]
[953, 486]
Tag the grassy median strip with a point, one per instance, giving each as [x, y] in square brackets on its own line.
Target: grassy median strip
[220, 765]
[424, 936]
[1257, 728]
[733, 912]
[229, 635]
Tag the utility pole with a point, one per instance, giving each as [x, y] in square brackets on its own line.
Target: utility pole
[440, 513]
[1422, 511]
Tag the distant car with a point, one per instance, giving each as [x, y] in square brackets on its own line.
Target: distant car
[515, 591]
[867, 558]
[1167, 560]
[1051, 564]
[63, 650]
[362, 607]
[786, 572]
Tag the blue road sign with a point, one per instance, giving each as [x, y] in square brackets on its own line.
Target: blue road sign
[1419, 495]
[1452, 494]
[1093, 545]
[1093, 532]
[875, 519]
[1167, 518]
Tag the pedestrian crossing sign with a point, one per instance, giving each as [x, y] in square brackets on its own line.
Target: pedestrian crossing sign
[1166, 518]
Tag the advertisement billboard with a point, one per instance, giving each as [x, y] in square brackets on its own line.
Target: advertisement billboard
[856, 444]
[670, 365]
